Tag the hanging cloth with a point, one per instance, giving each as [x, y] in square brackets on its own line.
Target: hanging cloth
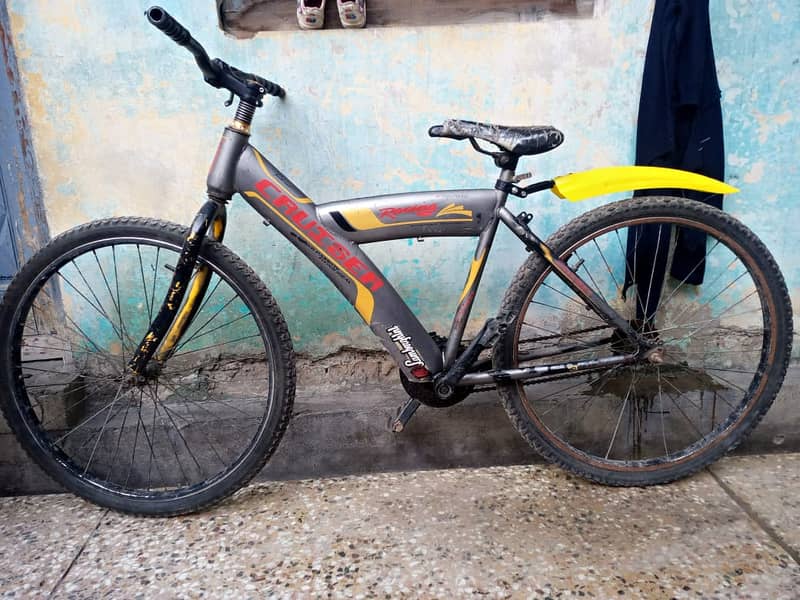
[679, 126]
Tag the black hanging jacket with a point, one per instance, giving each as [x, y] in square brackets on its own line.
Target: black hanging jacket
[679, 126]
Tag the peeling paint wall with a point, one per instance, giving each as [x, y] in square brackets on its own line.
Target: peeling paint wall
[123, 124]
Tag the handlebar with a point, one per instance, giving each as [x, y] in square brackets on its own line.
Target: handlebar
[217, 73]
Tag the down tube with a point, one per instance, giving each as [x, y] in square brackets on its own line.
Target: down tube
[292, 213]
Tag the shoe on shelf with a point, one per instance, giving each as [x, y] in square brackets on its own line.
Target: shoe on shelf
[352, 13]
[311, 14]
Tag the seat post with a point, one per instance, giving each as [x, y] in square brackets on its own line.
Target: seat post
[507, 176]
[506, 179]
[506, 160]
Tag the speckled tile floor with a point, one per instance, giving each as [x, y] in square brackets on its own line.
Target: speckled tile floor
[528, 531]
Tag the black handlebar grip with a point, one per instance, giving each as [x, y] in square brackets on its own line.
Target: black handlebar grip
[162, 20]
[273, 89]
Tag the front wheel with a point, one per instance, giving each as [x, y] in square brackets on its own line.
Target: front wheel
[188, 432]
[699, 285]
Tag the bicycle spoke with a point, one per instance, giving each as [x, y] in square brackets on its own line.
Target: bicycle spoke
[214, 316]
[241, 339]
[144, 285]
[84, 422]
[685, 279]
[559, 334]
[661, 407]
[571, 312]
[617, 285]
[119, 309]
[210, 398]
[631, 273]
[208, 439]
[171, 442]
[573, 300]
[185, 443]
[116, 449]
[111, 294]
[699, 329]
[100, 311]
[102, 430]
[606, 376]
[135, 438]
[218, 327]
[717, 295]
[591, 277]
[648, 317]
[155, 276]
[619, 419]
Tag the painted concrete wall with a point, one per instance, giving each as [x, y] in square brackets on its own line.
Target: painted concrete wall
[123, 124]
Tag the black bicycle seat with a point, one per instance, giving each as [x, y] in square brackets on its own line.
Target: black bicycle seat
[522, 141]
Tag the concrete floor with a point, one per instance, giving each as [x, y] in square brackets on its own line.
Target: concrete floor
[500, 532]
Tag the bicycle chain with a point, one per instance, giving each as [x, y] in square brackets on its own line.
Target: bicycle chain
[487, 387]
[535, 381]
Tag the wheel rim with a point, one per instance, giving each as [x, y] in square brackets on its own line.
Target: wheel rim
[172, 434]
[717, 339]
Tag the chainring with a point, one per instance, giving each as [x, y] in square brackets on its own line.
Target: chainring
[424, 393]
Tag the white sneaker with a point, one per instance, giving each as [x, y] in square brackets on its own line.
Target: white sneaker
[352, 13]
[311, 14]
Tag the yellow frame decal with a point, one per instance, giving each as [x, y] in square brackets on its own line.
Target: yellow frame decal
[186, 313]
[363, 219]
[365, 303]
[473, 273]
[607, 180]
[181, 321]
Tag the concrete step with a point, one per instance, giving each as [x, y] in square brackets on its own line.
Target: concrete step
[338, 431]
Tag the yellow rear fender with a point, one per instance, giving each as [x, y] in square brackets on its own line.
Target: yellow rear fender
[607, 180]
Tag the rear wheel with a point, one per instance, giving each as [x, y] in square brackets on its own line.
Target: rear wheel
[176, 440]
[725, 342]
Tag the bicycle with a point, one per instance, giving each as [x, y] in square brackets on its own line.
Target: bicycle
[148, 369]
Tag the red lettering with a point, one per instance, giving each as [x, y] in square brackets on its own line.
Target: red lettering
[284, 201]
[371, 280]
[262, 186]
[318, 234]
[322, 236]
[338, 252]
[355, 266]
[299, 216]
[420, 210]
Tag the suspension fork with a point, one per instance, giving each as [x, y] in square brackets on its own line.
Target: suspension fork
[175, 315]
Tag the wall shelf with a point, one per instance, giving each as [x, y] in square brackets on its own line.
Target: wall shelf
[245, 18]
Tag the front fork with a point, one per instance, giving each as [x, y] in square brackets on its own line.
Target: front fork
[175, 315]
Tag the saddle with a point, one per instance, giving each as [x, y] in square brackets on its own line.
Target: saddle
[522, 141]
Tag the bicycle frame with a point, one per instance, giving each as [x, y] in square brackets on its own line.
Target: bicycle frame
[330, 236]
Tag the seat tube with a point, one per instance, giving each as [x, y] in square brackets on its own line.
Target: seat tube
[467, 297]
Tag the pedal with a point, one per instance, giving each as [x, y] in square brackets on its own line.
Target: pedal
[404, 414]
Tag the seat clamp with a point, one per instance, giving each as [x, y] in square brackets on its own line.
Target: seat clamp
[523, 192]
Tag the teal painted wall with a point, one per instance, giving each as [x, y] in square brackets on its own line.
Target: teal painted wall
[123, 124]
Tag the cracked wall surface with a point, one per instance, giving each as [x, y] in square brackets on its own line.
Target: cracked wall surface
[122, 124]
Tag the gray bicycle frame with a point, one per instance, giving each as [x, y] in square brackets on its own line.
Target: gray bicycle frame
[330, 236]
